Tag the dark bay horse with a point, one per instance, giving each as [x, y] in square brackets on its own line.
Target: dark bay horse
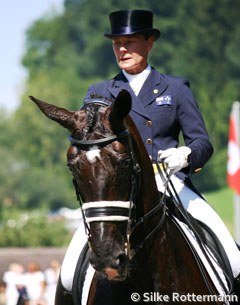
[137, 249]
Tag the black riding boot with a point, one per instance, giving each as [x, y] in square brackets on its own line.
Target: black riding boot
[237, 285]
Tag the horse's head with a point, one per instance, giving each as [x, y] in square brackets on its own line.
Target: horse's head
[104, 163]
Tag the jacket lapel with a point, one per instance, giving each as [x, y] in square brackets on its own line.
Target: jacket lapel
[152, 88]
[120, 82]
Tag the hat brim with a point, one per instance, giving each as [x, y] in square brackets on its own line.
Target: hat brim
[152, 32]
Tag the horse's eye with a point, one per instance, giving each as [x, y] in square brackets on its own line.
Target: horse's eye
[119, 147]
[72, 152]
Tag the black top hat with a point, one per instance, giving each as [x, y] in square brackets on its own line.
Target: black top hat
[129, 22]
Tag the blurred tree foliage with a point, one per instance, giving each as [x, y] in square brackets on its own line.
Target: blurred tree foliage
[67, 52]
[32, 229]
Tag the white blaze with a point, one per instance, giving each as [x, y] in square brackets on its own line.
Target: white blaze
[93, 154]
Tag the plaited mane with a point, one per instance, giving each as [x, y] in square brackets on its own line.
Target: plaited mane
[92, 116]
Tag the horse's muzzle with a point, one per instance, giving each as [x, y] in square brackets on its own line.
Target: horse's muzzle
[115, 269]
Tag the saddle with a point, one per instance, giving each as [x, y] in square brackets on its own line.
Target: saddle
[206, 238]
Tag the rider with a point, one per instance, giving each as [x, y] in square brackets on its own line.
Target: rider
[162, 107]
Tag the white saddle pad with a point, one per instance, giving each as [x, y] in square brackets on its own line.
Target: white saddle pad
[189, 234]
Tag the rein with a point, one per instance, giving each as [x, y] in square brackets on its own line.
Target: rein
[178, 204]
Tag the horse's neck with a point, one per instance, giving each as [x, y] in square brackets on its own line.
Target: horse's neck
[148, 189]
[148, 194]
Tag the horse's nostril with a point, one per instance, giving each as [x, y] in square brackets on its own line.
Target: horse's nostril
[122, 259]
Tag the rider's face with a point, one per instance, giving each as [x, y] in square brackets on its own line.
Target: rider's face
[132, 51]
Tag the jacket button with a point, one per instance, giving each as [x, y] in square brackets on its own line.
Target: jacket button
[149, 123]
[149, 141]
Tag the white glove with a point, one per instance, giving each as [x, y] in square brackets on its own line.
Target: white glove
[175, 158]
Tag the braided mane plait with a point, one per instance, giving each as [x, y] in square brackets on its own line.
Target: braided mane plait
[92, 107]
[93, 124]
[91, 112]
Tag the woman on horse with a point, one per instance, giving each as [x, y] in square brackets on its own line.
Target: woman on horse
[162, 107]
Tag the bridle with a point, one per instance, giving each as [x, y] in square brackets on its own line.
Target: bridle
[125, 210]
[116, 210]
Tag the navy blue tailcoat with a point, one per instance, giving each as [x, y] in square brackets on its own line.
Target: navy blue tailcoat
[164, 107]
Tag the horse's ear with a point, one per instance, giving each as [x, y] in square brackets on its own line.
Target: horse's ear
[62, 116]
[120, 107]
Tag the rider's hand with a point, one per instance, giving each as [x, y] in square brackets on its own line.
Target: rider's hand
[175, 158]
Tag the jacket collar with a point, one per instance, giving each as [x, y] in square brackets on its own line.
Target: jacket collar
[153, 87]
